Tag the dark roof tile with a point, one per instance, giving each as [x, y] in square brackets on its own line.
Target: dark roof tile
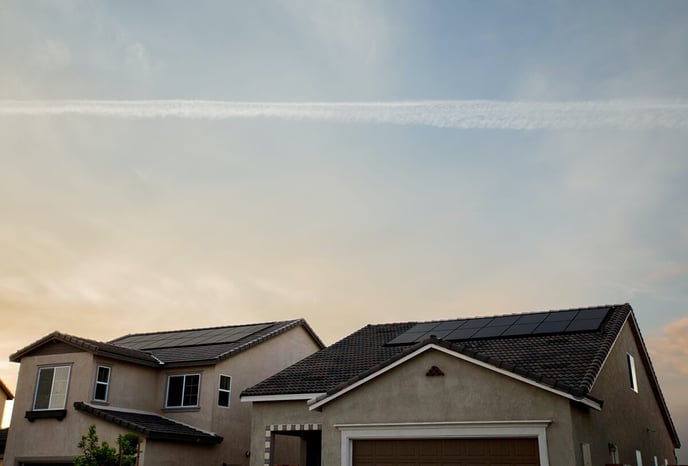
[151, 425]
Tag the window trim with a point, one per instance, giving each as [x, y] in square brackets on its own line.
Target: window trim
[183, 406]
[223, 390]
[52, 383]
[107, 384]
[632, 372]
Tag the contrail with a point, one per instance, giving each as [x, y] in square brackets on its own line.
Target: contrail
[457, 114]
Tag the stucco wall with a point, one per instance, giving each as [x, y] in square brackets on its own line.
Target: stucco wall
[406, 395]
[632, 421]
[54, 438]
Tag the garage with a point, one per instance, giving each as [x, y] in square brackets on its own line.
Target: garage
[447, 452]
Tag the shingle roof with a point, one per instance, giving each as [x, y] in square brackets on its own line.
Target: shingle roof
[569, 362]
[182, 353]
[152, 426]
[96, 347]
[171, 355]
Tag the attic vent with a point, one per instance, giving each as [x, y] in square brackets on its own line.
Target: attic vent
[434, 372]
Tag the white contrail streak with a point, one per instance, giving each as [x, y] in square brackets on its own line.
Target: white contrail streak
[459, 114]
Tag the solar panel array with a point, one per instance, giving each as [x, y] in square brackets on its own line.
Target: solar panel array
[189, 337]
[582, 320]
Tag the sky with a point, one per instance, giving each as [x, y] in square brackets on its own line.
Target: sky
[171, 165]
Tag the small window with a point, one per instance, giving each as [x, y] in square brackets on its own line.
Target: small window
[51, 388]
[638, 458]
[631, 373]
[224, 391]
[182, 391]
[102, 384]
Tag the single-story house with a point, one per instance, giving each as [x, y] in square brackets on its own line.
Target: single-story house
[574, 387]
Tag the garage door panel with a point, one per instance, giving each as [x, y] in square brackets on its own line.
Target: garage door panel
[447, 452]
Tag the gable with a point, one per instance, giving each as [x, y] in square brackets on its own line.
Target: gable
[53, 348]
[499, 376]
[614, 382]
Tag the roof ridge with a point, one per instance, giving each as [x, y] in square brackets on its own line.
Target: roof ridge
[610, 306]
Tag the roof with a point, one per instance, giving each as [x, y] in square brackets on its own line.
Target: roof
[85, 344]
[565, 362]
[7, 391]
[569, 361]
[208, 344]
[176, 348]
[150, 425]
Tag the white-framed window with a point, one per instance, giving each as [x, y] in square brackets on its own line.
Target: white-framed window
[102, 388]
[224, 391]
[51, 388]
[182, 391]
[638, 458]
[631, 373]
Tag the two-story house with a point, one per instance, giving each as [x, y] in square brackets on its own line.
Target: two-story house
[558, 388]
[178, 391]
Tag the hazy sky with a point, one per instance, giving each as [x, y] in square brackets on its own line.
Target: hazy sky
[519, 156]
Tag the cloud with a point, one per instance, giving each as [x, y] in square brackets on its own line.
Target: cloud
[670, 349]
[456, 114]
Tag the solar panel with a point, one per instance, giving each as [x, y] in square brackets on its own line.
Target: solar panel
[520, 329]
[561, 316]
[551, 327]
[190, 337]
[462, 334]
[582, 325]
[581, 320]
[493, 331]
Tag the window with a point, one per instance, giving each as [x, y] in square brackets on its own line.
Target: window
[182, 390]
[638, 458]
[51, 389]
[224, 391]
[631, 373]
[102, 384]
[654, 461]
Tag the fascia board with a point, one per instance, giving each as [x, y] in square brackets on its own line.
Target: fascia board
[286, 397]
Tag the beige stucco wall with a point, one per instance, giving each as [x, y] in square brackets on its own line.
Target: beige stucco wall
[143, 388]
[406, 395]
[632, 421]
[3, 400]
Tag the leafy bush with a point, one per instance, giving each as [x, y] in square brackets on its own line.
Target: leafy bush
[93, 454]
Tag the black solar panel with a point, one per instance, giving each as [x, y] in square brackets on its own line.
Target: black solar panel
[189, 337]
[582, 320]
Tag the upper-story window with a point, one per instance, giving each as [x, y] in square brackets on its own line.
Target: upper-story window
[102, 388]
[224, 391]
[182, 391]
[51, 388]
[631, 373]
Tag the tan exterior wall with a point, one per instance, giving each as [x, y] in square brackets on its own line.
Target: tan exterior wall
[55, 439]
[143, 388]
[632, 421]
[3, 400]
[406, 395]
